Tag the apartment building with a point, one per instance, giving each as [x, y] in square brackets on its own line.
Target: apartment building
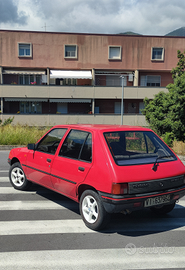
[58, 78]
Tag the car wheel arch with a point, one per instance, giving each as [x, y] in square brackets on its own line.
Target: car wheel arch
[14, 160]
[82, 188]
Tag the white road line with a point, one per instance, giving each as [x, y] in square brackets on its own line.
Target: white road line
[47, 204]
[77, 226]
[11, 190]
[4, 179]
[43, 227]
[36, 205]
[93, 259]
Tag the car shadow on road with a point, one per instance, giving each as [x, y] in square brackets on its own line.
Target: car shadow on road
[145, 222]
[137, 223]
[56, 198]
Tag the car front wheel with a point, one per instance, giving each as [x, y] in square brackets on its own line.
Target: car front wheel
[92, 211]
[18, 178]
[160, 210]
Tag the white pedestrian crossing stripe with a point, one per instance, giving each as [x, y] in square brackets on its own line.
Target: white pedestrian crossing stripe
[92, 259]
[77, 226]
[128, 257]
[36, 205]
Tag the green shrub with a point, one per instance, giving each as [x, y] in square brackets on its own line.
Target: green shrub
[168, 138]
[7, 121]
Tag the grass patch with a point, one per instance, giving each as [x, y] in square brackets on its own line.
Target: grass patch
[20, 135]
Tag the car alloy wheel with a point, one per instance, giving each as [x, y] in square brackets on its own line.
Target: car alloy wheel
[92, 210]
[18, 178]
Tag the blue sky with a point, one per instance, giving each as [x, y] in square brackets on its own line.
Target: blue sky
[147, 17]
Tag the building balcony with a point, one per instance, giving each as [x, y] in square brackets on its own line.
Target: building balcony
[49, 105]
[82, 92]
[58, 119]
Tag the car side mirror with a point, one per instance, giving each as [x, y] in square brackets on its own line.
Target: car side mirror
[31, 146]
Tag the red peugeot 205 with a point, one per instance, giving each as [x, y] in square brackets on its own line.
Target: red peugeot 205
[106, 168]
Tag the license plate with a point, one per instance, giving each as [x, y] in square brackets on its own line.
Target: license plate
[157, 200]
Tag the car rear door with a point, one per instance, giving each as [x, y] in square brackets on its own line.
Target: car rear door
[39, 161]
[71, 166]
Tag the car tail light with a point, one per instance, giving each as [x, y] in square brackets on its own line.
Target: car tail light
[119, 188]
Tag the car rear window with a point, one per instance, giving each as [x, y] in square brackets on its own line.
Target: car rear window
[137, 147]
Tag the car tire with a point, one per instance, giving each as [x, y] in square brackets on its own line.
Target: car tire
[163, 209]
[92, 211]
[18, 178]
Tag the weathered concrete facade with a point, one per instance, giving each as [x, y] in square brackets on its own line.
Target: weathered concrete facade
[28, 61]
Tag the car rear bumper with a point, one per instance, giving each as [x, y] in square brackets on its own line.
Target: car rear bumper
[117, 203]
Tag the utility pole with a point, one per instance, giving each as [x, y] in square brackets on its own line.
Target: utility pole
[122, 99]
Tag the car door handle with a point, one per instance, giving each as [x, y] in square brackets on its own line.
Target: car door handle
[82, 169]
[49, 160]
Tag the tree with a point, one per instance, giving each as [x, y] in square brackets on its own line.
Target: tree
[180, 68]
[166, 112]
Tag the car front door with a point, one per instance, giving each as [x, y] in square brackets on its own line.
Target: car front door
[39, 160]
[72, 164]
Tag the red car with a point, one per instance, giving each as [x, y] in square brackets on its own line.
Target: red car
[106, 168]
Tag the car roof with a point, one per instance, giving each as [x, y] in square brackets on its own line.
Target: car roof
[104, 127]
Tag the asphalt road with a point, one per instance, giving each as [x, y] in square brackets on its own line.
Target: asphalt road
[40, 229]
[4, 166]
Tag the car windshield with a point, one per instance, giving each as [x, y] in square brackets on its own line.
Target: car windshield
[137, 147]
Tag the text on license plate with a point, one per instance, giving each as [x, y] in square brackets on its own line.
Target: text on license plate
[157, 200]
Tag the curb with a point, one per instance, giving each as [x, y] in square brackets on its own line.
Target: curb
[9, 147]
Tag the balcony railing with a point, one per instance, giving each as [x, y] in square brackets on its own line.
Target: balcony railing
[54, 119]
[92, 92]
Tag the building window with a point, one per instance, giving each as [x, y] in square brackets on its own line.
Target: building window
[115, 80]
[70, 51]
[141, 107]
[62, 108]
[30, 107]
[68, 81]
[158, 54]
[132, 107]
[117, 107]
[30, 79]
[114, 53]
[151, 80]
[24, 49]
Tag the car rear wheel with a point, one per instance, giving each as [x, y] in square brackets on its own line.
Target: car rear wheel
[18, 178]
[92, 211]
[160, 210]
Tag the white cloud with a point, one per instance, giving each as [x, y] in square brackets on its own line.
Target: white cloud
[88, 16]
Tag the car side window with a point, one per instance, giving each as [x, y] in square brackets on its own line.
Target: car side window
[51, 141]
[77, 145]
[86, 153]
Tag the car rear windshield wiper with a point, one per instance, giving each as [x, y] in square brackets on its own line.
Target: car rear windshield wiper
[160, 157]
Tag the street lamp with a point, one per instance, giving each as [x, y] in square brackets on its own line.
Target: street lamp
[122, 77]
